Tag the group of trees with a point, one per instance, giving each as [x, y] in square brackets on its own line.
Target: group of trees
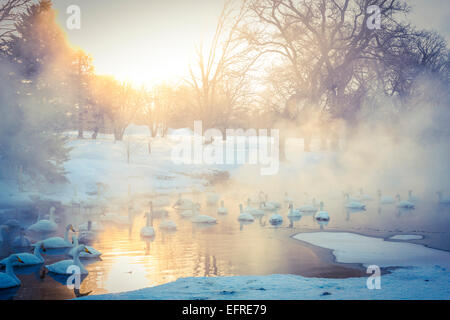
[303, 64]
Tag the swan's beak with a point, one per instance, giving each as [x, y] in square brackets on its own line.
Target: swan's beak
[43, 248]
[72, 229]
[20, 260]
[87, 251]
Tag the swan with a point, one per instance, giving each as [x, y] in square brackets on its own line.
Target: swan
[275, 219]
[167, 224]
[28, 259]
[293, 212]
[354, 204]
[183, 204]
[62, 267]
[21, 241]
[9, 279]
[249, 207]
[148, 231]
[322, 215]
[411, 197]
[4, 231]
[385, 199]
[442, 199]
[308, 208]
[222, 209]
[257, 212]
[94, 226]
[272, 204]
[202, 218]
[404, 204]
[58, 242]
[46, 226]
[212, 198]
[364, 197]
[348, 197]
[93, 252]
[244, 215]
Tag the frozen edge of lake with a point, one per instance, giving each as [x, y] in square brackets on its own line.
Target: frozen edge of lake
[417, 281]
[406, 283]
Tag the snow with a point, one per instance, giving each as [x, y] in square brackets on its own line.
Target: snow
[406, 237]
[355, 248]
[414, 283]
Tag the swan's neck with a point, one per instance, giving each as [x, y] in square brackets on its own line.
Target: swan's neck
[75, 242]
[66, 235]
[10, 271]
[52, 216]
[291, 209]
[37, 252]
[77, 262]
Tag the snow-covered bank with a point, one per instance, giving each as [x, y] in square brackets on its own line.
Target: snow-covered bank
[424, 275]
[411, 283]
[356, 248]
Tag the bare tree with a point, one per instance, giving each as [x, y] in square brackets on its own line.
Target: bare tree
[10, 11]
[326, 45]
[220, 76]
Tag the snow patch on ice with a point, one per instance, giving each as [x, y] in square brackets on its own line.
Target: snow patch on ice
[406, 237]
[355, 248]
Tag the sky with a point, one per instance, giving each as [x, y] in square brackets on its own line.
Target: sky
[150, 41]
[145, 41]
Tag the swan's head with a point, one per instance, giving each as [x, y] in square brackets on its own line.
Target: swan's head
[70, 227]
[290, 205]
[83, 248]
[240, 207]
[15, 258]
[43, 247]
[52, 210]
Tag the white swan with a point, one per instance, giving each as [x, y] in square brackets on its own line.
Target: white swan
[183, 204]
[308, 208]
[248, 207]
[354, 204]
[293, 212]
[167, 224]
[257, 212]
[222, 209]
[404, 204]
[411, 197]
[244, 215]
[202, 218]
[148, 231]
[62, 267]
[95, 226]
[348, 197]
[58, 242]
[273, 204]
[28, 259]
[9, 279]
[45, 226]
[364, 197]
[93, 252]
[322, 215]
[275, 219]
[442, 199]
[21, 241]
[385, 199]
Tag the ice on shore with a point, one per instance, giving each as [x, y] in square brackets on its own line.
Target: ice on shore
[356, 248]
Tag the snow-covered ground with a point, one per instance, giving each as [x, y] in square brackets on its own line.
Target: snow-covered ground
[411, 283]
[424, 275]
[406, 237]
